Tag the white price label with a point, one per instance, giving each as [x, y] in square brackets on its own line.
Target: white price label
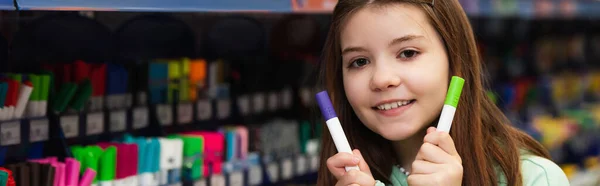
[95, 123]
[38, 130]
[301, 165]
[185, 113]
[258, 101]
[201, 182]
[118, 121]
[287, 172]
[273, 101]
[204, 109]
[223, 108]
[273, 170]
[217, 180]
[314, 163]
[140, 117]
[305, 95]
[165, 114]
[255, 175]
[286, 97]
[243, 105]
[70, 126]
[10, 133]
[236, 179]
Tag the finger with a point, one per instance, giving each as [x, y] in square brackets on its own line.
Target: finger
[362, 164]
[443, 140]
[337, 163]
[419, 180]
[356, 177]
[424, 167]
[430, 152]
[430, 130]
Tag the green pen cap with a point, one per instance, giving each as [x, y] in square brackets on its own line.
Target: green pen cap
[45, 87]
[37, 83]
[64, 96]
[108, 162]
[83, 95]
[454, 91]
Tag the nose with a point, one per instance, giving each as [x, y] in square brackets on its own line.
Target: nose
[384, 78]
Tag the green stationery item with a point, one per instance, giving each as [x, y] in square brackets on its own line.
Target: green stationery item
[3, 178]
[92, 159]
[193, 148]
[304, 135]
[64, 96]
[184, 81]
[83, 95]
[173, 85]
[45, 86]
[37, 83]
[108, 162]
[16, 77]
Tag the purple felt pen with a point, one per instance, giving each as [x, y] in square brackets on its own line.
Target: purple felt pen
[334, 125]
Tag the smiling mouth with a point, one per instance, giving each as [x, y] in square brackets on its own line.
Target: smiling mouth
[394, 105]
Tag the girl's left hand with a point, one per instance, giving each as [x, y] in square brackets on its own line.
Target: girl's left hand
[437, 162]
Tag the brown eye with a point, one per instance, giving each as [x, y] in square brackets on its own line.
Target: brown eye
[408, 54]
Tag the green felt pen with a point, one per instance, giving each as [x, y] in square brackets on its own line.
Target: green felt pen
[452, 98]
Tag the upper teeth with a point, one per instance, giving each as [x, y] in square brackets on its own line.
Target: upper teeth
[392, 105]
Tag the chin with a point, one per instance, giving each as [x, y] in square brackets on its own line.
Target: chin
[397, 131]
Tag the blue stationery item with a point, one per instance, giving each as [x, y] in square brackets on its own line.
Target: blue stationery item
[2, 155]
[158, 75]
[231, 140]
[148, 153]
[3, 91]
[117, 79]
[36, 150]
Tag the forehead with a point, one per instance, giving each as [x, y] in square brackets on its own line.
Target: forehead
[385, 22]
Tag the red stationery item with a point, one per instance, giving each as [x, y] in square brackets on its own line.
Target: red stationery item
[67, 70]
[213, 150]
[12, 94]
[98, 78]
[81, 71]
[127, 159]
[11, 179]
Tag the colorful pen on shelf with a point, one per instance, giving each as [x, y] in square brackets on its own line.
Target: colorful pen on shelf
[24, 93]
[88, 177]
[334, 125]
[452, 98]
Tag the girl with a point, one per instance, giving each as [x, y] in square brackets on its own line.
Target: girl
[387, 68]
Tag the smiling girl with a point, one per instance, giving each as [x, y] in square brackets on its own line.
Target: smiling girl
[387, 66]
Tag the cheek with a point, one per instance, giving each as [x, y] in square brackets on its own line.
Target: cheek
[355, 89]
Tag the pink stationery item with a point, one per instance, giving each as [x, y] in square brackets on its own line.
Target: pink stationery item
[59, 175]
[127, 159]
[72, 172]
[88, 177]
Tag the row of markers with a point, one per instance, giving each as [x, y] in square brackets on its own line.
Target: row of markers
[23, 95]
[215, 158]
[46, 172]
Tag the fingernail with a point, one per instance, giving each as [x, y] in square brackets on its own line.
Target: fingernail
[355, 160]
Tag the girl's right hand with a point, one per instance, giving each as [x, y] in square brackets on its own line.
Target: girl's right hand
[337, 163]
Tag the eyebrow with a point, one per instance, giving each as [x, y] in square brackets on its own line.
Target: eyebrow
[394, 42]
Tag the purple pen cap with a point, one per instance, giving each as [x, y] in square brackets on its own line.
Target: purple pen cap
[325, 105]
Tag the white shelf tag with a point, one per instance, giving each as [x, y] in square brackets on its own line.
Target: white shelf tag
[11, 133]
[38, 130]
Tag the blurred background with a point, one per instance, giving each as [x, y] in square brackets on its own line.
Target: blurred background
[220, 92]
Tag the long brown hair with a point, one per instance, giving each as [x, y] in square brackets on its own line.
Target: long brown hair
[482, 133]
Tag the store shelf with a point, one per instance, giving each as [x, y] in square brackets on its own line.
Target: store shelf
[7, 5]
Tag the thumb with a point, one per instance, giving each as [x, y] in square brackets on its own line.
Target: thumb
[431, 129]
[362, 164]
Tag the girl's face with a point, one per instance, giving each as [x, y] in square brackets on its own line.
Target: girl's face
[395, 69]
